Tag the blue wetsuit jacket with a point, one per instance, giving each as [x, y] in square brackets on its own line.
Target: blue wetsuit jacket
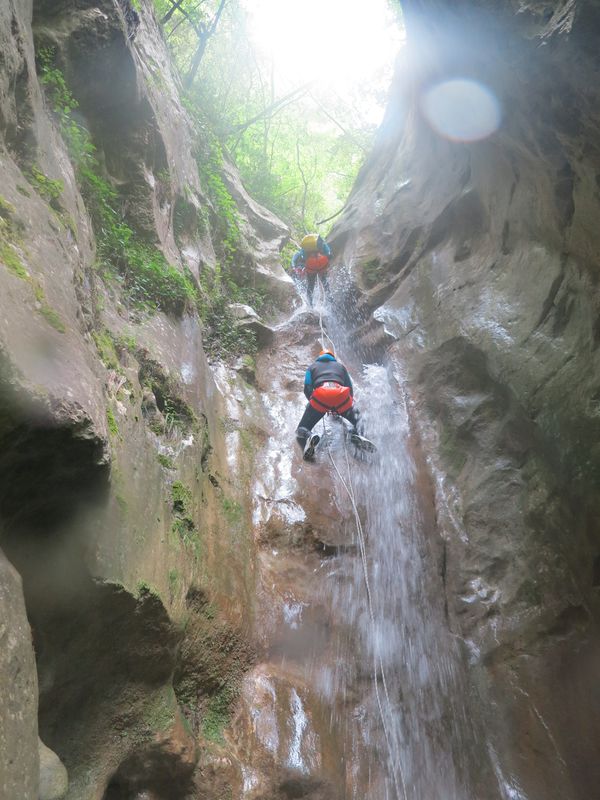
[301, 255]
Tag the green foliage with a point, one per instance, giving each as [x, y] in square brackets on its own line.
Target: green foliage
[300, 161]
[218, 714]
[11, 260]
[160, 712]
[51, 316]
[147, 277]
[372, 272]
[126, 341]
[184, 527]
[46, 187]
[10, 239]
[106, 349]
[174, 580]
[209, 159]
[165, 461]
[144, 589]
[112, 422]
[232, 510]
[7, 210]
[222, 336]
[182, 497]
[176, 412]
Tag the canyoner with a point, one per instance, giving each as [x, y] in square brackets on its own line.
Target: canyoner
[328, 389]
[310, 262]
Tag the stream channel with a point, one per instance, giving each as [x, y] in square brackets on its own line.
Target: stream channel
[363, 689]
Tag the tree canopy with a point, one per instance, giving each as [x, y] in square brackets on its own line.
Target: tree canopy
[297, 143]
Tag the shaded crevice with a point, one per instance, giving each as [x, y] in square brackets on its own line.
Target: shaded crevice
[105, 660]
[551, 297]
[563, 194]
[48, 474]
[104, 657]
[153, 773]
[596, 572]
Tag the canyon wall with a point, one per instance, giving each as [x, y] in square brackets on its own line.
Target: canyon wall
[474, 265]
[124, 504]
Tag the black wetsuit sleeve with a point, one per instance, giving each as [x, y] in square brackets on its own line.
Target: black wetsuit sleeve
[349, 382]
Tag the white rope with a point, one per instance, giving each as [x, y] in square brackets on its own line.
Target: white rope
[378, 669]
[324, 334]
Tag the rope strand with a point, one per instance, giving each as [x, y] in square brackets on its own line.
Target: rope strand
[378, 668]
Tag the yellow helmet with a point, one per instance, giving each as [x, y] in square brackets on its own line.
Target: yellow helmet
[310, 243]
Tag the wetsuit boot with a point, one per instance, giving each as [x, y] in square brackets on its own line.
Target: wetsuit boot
[310, 446]
[361, 441]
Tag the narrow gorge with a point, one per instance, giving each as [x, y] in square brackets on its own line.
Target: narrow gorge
[190, 611]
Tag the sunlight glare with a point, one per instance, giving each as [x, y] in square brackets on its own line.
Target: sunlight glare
[462, 110]
[337, 43]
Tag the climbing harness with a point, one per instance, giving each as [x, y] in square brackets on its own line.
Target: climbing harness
[378, 668]
[331, 397]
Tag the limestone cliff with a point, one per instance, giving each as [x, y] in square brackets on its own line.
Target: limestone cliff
[118, 505]
[475, 266]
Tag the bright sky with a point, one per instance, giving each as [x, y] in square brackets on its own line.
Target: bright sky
[339, 43]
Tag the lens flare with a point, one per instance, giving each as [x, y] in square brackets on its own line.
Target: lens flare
[462, 110]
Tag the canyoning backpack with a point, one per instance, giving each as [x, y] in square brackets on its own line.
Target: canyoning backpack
[331, 397]
[316, 263]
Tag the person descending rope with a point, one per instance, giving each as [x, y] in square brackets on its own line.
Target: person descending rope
[328, 389]
[311, 262]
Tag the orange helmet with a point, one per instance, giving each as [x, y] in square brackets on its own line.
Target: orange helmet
[327, 353]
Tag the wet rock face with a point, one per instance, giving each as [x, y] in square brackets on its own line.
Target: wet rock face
[118, 492]
[18, 702]
[480, 259]
[54, 780]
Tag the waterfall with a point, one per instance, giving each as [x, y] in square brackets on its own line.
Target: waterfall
[416, 714]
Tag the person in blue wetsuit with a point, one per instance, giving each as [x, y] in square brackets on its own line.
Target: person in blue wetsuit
[328, 388]
[311, 262]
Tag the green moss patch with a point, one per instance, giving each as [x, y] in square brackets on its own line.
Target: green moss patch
[452, 450]
[106, 348]
[167, 392]
[213, 659]
[7, 210]
[184, 528]
[372, 272]
[232, 510]
[11, 260]
[160, 712]
[10, 240]
[144, 272]
[48, 188]
[51, 316]
[113, 427]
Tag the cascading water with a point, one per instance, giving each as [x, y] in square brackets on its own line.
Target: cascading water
[416, 714]
[361, 630]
